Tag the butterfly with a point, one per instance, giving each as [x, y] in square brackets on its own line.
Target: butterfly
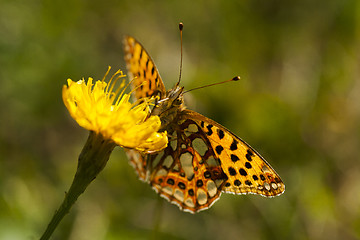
[203, 159]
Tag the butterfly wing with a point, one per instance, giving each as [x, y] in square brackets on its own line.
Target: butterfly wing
[146, 82]
[204, 159]
[246, 170]
[187, 172]
[142, 70]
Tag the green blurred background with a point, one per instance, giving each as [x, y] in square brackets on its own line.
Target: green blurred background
[298, 104]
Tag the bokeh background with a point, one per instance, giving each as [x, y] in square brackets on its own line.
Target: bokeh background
[298, 104]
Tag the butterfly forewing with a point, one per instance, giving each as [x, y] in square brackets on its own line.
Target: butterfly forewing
[142, 70]
[203, 159]
[246, 170]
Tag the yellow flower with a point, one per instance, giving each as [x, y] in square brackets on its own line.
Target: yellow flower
[97, 108]
[112, 120]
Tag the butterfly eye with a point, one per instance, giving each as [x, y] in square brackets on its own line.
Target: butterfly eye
[178, 101]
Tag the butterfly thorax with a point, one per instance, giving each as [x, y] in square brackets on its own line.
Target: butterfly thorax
[168, 107]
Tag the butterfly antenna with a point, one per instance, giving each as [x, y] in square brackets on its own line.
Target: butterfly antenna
[181, 26]
[209, 85]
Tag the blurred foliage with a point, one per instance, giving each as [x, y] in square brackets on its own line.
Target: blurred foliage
[298, 104]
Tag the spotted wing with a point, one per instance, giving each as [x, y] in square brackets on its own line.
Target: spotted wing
[146, 81]
[186, 172]
[246, 171]
[204, 159]
[141, 68]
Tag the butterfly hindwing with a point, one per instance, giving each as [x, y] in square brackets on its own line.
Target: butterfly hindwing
[138, 161]
[186, 175]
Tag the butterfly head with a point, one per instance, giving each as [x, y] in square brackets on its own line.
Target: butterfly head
[175, 96]
[168, 107]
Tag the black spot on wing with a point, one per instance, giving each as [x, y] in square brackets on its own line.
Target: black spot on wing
[219, 149]
[233, 145]
[234, 158]
[220, 133]
[242, 172]
[209, 128]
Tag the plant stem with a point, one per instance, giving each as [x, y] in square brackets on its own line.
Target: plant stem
[92, 160]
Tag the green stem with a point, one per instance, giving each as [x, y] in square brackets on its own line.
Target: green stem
[92, 160]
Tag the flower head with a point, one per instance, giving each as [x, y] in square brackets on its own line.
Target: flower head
[97, 108]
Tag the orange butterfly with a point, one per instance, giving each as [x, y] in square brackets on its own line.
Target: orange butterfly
[203, 158]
